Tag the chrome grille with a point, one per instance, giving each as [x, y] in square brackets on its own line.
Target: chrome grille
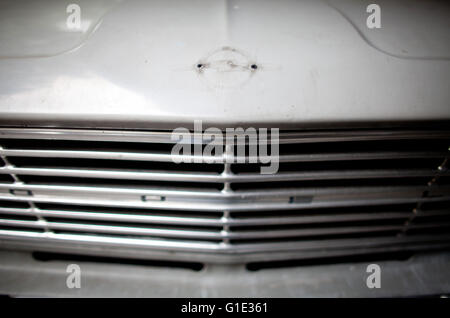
[119, 193]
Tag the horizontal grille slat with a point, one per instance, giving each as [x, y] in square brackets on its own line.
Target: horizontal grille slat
[210, 177]
[244, 194]
[197, 221]
[148, 231]
[137, 231]
[211, 206]
[88, 228]
[384, 242]
[336, 192]
[202, 221]
[104, 216]
[165, 157]
[358, 156]
[166, 137]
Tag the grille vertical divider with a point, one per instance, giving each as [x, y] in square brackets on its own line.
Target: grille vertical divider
[31, 205]
[227, 156]
[418, 209]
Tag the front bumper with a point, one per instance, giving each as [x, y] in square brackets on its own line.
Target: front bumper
[422, 275]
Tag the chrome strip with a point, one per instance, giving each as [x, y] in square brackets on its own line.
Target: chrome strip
[224, 177]
[220, 207]
[165, 137]
[216, 194]
[189, 246]
[163, 157]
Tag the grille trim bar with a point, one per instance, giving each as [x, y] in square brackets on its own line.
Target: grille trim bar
[202, 234]
[241, 194]
[165, 137]
[224, 177]
[162, 157]
[219, 207]
[70, 245]
[197, 221]
[207, 247]
[198, 234]
[113, 155]
[235, 221]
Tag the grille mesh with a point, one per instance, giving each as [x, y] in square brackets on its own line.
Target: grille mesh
[336, 193]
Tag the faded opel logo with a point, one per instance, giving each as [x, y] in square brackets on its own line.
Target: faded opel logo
[226, 67]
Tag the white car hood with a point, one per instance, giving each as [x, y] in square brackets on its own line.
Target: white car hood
[164, 64]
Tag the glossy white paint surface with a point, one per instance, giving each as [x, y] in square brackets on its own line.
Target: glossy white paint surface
[134, 63]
